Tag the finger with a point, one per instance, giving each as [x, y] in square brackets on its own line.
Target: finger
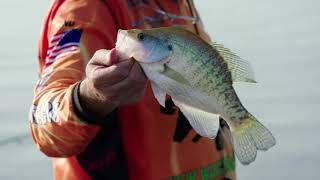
[112, 57]
[125, 93]
[127, 90]
[100, 57]
[137, 74]
[134, 95]
[135, 79]
[104, 57]
[113, 74]
[97, 61]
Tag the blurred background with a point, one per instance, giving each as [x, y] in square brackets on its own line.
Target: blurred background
[281, 38]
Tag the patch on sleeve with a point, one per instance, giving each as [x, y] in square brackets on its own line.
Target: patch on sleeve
[32, 112]
[63, 44]
[45, 113]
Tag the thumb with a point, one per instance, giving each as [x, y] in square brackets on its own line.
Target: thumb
[112, 57]
[104, 57]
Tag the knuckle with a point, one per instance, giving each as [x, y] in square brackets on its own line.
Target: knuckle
[131, 78]
[95, 83]
[138, 77]
[98, 56]
[90, 70]
[113, 99]
[138, 81]
[100, 52]
[123, 72]
[111, 93]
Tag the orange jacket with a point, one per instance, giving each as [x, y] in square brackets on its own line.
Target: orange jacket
[142, 141]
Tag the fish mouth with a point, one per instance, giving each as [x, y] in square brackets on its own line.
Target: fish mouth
[121, 45]
[121, 37]
[125, 49]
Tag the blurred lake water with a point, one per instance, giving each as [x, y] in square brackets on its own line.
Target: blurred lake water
[280, 38]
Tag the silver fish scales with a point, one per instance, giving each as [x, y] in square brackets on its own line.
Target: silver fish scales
[199, 78]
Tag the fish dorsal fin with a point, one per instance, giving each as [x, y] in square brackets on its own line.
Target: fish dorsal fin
[174, 75]
[241, 70]
[204, 123]
[159, 94]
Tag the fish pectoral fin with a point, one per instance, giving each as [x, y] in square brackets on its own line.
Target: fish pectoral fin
[241, 70]
[159, 94]
[204, 123]
[174, 75]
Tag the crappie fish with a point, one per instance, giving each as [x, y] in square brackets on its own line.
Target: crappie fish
[198, 76]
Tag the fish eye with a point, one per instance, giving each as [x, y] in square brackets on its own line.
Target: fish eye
[140, 36]
[170, 47]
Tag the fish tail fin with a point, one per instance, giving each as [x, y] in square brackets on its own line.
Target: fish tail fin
[250, 136]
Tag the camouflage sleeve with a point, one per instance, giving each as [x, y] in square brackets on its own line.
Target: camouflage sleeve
[73, 31]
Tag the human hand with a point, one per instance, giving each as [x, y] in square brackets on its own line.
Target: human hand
[110, 83]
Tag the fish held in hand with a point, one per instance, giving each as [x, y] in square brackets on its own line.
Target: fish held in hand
[199, 78]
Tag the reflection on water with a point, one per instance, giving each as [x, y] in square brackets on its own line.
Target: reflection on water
[280, 39]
